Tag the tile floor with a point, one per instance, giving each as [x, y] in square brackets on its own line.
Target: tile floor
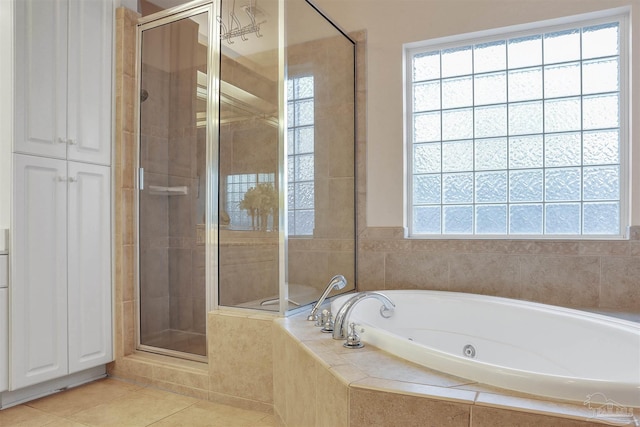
[110, 402]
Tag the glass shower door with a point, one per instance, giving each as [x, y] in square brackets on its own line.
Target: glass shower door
[172, 191]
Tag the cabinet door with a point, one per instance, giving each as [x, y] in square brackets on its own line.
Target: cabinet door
[38, 300]
[4, 339]
[89, 266]
[90, 80]
[41, 77]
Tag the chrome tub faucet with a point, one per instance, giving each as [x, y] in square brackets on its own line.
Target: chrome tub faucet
[336, 282]
[340, 321]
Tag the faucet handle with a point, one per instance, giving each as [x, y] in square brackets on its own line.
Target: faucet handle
[328, 322]
[322, 318]
[353, 339]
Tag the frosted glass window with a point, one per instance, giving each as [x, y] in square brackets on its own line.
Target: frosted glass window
[491, 187]
[525, 85]
[457, 92]
[491, 121]
[237, 187]
[457, 156]
[601, 147]
[426, 66]
[300, 156]
[426, 189]
[457, 62]
[491, 219]
[426, 127]
[490, 88]
[561, 46]
[600, 76]
[490, 154]
[525, 219]
[525, 152]
[562, 218]
[525, 118]
[426, 158]
[562, 185]
[458, 219]
[562, 115]
[562, 80]
[522, 133]
[426, 96]
[489, 57]
[427, 219]
[525, 51]
[457, 188]
[563, 149]
[457, 124]
[525, 186]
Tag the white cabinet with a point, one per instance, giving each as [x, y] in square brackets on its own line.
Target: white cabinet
[63, 81]
[4, 339]
[89, 266]
[4, 323]
[61, 280]
[38, 350]
[60, 305]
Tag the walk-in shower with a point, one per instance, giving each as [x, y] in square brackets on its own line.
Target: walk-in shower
[247, 164]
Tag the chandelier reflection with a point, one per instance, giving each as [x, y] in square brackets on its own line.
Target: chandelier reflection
[234, 27]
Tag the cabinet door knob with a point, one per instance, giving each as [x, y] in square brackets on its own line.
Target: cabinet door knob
[72, 142]
[61, 141]
[62, 178]
[73, 179]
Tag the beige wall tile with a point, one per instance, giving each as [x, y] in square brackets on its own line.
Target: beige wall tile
[241, 346]
[568, 281]
[487, 274]
[416, 270]
[301, 397]
[332, 399]
[281, 340]
[371, 274]
[604, 248]
[372, 408]
[491, 417]
[620, 283]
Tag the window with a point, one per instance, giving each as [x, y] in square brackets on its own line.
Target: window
[520, 134]
[246, 195]
[300, 156]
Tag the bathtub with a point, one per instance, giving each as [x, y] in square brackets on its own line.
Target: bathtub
[528, 347]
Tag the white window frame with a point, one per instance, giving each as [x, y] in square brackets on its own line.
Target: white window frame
[622, 15]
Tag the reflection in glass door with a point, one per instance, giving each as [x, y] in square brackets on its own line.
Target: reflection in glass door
[172, 191]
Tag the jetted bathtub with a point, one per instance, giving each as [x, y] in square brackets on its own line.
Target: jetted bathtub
[524, 346]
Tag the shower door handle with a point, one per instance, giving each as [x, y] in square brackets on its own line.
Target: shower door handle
[141, 178]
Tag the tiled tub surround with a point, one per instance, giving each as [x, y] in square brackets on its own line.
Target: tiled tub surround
[597, 275]
[317, 382]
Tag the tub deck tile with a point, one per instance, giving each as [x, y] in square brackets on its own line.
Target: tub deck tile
[420, 390]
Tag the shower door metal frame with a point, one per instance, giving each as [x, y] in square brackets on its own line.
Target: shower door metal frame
[212, 8]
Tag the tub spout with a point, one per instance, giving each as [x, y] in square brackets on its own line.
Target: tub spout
[336, 282]
[340, 322]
